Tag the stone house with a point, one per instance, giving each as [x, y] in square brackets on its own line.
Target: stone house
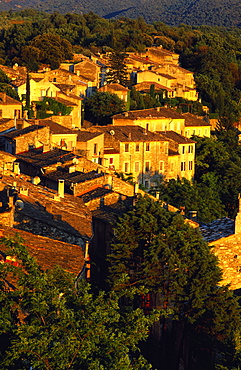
[75, 102]
[60, 136]
[115, 88]
[9, 107]
[185, 147]
[145, 87]
[142, 153]
[31, 137]
[153, 119]
[160, 55]
[44, 212]
[196, 126]
[163, 79]
[91, 145]
[39, 88]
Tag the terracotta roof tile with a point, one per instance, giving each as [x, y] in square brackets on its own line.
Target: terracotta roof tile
[48, 252]
[192, 120]
[23, 131]
[178, 138]
[154, 113]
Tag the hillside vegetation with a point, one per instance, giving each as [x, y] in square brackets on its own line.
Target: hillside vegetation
[174, 12]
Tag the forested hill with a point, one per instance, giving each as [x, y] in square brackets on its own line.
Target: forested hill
[173, 12]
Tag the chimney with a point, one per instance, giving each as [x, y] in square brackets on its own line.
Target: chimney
[193, 215]
[61, 188]
[238, 218]
[109, 181]
[4, 97]
[157, 195]
[129, 135]
[126, 114]
[158, 109]
[16, 168]
[136, 188]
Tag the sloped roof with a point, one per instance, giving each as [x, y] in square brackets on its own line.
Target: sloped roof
[75, 216]
[130, 133]
[154, 113]
[192, 120]
[113, 86]
[48, 252]
[55, 128]
[40, 159]
[178, 138]
[16, 133]
[7, 100]
[84, 136]
[145, 86]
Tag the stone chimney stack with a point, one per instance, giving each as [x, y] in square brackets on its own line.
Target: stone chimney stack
[61, 188]
[237, 227]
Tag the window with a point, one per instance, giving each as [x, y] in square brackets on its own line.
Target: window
[137, 147]
[111, 160]
[95, 148]
[161, 166]
[126, 167]
[147, 147]
[147, 166]
[194, 132]
[1, 112]
[166, 148]
[126, 147]
[147, 126]
[190, 165]
[190, 149]
[183, 166]
[183, 149]
[137, 166]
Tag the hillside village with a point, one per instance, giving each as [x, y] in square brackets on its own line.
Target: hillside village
[60, 183]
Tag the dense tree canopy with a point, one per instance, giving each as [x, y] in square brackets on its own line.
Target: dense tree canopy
[49, 321]
[166, 258]
[101, 106]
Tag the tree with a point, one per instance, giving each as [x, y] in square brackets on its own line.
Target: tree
[53, 49]
[117, 69]
[49, 321]
[101, 106]
[165, 258]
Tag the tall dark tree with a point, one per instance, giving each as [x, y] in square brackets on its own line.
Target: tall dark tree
[171, 265]
[117, 69]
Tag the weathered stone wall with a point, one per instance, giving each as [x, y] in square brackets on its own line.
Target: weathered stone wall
[37, 227]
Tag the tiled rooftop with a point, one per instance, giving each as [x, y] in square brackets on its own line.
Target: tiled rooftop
[23, 131]
[130, 133]
[217, 229]
[154, 113]
[48, 252]
[96, 193]
[192, 120]
[178, 138]
[86, 135]
[75, 216]
[40, 159]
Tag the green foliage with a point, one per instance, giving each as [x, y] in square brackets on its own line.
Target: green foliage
[168, 259]
[117, 70]
[49, 321]
[9, 91]
[202, 197]
[101, 106]
[52, 49]
[51, 105]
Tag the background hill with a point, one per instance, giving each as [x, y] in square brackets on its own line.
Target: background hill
[172, 12]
